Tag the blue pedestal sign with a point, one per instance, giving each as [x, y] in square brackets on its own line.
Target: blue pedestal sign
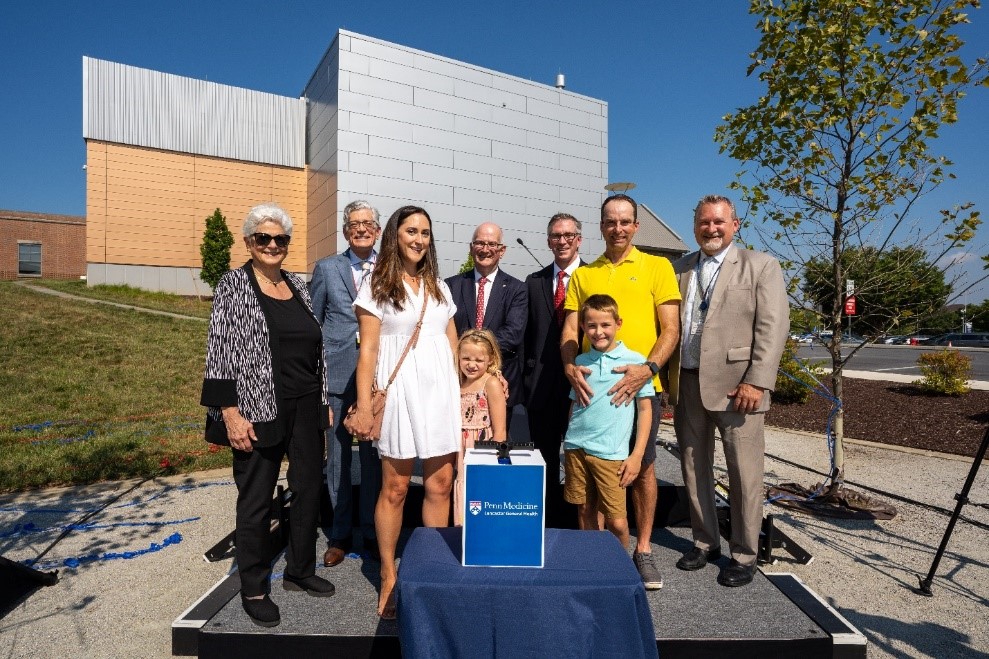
[504, 520]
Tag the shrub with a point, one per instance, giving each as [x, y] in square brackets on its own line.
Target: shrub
[945, 372]
[215, 249]
[788, 390]
[467, 265]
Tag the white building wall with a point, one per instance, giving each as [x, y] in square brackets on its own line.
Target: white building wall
[468, 144]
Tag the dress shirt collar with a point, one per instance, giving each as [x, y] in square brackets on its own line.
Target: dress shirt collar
[719, 258]
[569, 269]
[491, 277]
[355, 261]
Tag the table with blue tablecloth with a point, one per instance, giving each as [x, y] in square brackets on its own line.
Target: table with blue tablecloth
[587, 601]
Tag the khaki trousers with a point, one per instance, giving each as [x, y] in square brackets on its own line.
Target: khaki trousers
[744, 446]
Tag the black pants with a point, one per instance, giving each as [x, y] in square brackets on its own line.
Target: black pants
[256, 474]
[547, 425]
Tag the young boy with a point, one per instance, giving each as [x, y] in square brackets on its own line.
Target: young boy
[597, 462]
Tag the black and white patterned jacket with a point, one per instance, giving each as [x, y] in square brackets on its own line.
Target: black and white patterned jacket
[240, 367]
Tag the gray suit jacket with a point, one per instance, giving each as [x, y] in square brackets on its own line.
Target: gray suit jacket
[745, 329]
[333, 292]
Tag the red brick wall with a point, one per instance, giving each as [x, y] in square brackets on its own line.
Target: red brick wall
[62, 238]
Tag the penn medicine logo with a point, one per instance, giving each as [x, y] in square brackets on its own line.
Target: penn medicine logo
[475, 507]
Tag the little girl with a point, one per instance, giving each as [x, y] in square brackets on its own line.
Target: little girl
[482, 401]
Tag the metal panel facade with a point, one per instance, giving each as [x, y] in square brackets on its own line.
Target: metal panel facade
[139, 107]
[468, 144]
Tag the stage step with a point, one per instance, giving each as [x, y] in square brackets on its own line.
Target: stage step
[693, 616]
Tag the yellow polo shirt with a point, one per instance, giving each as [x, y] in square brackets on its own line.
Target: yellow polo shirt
[639, 284]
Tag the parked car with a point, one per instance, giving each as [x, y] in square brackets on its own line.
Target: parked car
[917, 339]
[968, 340]
[846, 339]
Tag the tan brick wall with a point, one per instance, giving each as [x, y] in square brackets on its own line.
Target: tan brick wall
[63, 245]
[149, 207]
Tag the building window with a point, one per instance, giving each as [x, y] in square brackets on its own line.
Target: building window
[29, 259]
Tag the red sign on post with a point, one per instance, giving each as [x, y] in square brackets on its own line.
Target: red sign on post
[850, 305]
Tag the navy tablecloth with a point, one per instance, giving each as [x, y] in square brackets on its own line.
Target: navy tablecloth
[588, 601]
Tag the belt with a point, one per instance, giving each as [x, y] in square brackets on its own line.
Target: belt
[690, 370]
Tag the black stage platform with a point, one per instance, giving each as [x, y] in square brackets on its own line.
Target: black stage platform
[775, 616]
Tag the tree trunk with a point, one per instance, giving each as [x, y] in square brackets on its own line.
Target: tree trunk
[838, 428]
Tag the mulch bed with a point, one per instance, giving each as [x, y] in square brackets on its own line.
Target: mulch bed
[894, 413]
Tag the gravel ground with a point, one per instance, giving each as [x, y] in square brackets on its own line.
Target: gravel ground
[124, 607]
[867, 569]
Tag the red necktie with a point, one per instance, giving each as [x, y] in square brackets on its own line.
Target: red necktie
[559, 296]
[480, 302]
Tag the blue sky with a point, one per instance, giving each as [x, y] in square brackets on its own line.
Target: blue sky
[669, 72]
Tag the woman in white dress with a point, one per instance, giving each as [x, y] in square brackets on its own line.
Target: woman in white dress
[422, 412]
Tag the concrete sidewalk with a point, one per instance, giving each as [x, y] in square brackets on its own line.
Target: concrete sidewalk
[979, 385]
[137, 562]
[119, 305]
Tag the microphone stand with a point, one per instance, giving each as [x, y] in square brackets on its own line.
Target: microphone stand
[519, 241]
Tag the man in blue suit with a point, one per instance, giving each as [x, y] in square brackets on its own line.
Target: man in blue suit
[335, 282]
[490, 298]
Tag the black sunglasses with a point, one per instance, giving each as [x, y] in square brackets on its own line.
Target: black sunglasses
[262, 240]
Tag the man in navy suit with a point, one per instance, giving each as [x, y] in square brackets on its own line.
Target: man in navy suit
[547, 390]
[490, 298]
[334, 285]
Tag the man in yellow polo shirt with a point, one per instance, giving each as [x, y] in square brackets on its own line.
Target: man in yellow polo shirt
[648, 295]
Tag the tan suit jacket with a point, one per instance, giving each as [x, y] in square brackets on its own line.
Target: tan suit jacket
[745, 329]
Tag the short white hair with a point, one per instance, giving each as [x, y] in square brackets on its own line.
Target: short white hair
[268, 212]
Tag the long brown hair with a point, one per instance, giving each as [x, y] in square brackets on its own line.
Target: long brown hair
[386, 279]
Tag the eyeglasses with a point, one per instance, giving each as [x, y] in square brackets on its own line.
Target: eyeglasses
[370, 225]
[625, 224]
[483, 244]
[262, 240]
[562, 237]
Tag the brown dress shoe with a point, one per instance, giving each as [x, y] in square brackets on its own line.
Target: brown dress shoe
[333, 556]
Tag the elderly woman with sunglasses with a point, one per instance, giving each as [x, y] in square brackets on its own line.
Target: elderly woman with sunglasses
[263, 386]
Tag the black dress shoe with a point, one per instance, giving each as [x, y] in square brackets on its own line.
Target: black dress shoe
[697, 558]
[736, 574]
[262, 612]
[315, 586]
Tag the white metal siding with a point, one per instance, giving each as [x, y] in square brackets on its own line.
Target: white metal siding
[130, 105]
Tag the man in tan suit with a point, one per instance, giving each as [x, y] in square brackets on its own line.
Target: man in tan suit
[735, 319]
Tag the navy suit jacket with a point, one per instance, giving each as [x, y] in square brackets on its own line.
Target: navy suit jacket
[504, 314]
[333, 292]
[543, 373]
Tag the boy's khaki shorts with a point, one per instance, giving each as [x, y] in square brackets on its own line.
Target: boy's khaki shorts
[590, 477]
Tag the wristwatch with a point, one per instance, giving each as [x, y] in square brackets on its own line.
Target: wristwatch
[653, 366]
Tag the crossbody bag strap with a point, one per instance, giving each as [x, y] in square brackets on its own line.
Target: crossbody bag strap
[413, 340]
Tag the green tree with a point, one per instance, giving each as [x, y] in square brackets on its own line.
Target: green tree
[896, 291]
[215, 249]
[978, 315]
[467, 265]
[837, 149]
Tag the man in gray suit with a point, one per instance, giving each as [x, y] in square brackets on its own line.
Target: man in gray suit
[735, 320]
[334, 285]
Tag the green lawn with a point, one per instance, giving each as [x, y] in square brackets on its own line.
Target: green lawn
[94, 392]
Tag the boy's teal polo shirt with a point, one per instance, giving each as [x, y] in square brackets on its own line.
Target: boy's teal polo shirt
[603, 429]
